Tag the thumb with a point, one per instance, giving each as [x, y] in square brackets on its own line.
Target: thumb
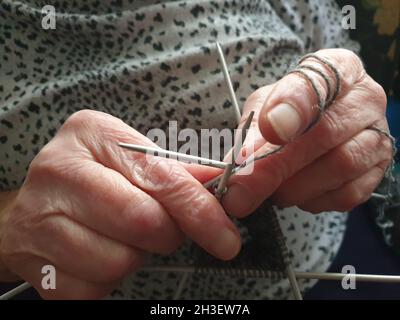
[292, 105]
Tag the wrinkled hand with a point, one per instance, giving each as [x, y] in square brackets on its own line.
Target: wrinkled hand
[334, 166]
[93, 210]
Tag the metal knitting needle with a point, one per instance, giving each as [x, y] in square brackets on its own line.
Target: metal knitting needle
[238, 115]
[12, 293]
[229, 82]
[298, 274]
[183, 157]
[340, 276]
[221, 188]
[379, 196]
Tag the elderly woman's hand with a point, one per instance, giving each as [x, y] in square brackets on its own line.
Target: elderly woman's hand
[334, 166]
[93, 210]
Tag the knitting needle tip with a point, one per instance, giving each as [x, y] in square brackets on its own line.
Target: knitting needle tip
[183, 157]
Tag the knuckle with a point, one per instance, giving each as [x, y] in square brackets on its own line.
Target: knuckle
[78, 119]
[348, 63]
[377, 95]
[199, 207]
[386, 150]
[186, 193]
[177, 183]
[87, 127]
[329, 130]
[351, 56]
[44, 166]
[45, 155]
[358, 154]
[87, 118]
[352, 157]
[381, 169]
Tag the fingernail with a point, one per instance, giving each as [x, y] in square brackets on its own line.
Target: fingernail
[227, 245]
[285, 120]
[238, 201]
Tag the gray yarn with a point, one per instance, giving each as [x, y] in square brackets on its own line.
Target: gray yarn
[324, 76]
[382, 220]
[333, 69]
[321, 106]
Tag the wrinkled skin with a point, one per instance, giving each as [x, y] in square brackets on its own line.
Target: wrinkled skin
[95, 210]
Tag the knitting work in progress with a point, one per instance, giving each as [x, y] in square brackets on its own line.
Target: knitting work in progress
[264, 252]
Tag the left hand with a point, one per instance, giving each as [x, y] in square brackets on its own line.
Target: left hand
[333, 167]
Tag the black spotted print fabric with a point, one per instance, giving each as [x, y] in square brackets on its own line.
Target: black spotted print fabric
[148, 62]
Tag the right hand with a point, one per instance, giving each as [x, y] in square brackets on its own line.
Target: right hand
[93, 210]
